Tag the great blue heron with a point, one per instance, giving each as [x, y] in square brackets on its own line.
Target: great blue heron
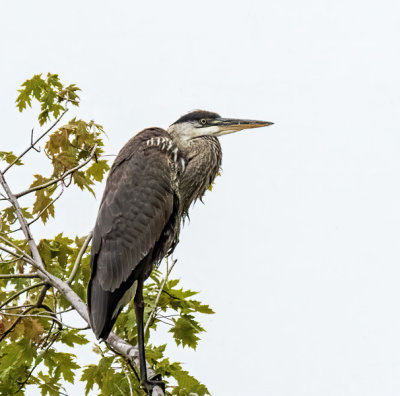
[152, 183]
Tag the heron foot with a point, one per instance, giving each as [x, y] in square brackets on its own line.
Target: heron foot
[151, 383]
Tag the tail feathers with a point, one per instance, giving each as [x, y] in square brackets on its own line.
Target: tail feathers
[101, 305]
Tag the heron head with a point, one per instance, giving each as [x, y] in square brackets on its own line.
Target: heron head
[205, 123]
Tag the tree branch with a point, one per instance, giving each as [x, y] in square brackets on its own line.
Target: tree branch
[15, 276]
[35, 142]
[62, 324]
[5, 240]
[21, 292]
[61, 178]
[79, 258]
[4, 197]
[42, 211]
[22, 257]
[16, 307]
[2, 261]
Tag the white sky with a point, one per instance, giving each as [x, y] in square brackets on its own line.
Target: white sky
[297, 247]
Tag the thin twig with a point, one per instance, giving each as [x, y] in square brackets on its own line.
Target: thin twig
[61, 178]
[12, 261]
[21, 292]
[44, 344]
[45, 317]
[22, 257]
[36, 141]
[127, 377]
[32, 144]
[5, 249]
[4, 198]
[16, 307]
[79, 258]
[27, 259]
[42, 211]
[64, 311]
[13, 245]
[14, 276]
[166, 323]
[153, 312]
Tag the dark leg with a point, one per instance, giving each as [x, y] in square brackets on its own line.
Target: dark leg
[139, 309]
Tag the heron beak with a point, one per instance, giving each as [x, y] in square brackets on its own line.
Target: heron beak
[230, 125]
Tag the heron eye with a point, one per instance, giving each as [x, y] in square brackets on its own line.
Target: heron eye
[203, 121]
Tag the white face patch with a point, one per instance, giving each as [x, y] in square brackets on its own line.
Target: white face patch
[188, 130]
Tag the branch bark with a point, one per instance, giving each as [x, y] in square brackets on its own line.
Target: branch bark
[14, 276]
[79, 258]
[21, 292]
[24, 254]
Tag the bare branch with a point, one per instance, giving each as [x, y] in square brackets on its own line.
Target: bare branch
[12, 260]
[47, 206]
[21, 292]
[128, 378]
[4, 198]
[35, 142]
[16, 307]
[8, 242]
[46, 317]
[61, 178]
[153, 312]
[22, 257]
[79, 258]
[15, 276]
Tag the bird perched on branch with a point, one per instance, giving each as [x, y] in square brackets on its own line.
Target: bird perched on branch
[155, 178]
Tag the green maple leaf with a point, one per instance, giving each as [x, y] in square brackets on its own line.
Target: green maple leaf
[97, 170]
[72, 337]
[9, 157]
[185, 331]
[66, 366]
[89, 375]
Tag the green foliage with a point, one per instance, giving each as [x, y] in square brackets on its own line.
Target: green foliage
[30, 353]
[50, 93]
[9, 157]
[185, 331]
[71, 145]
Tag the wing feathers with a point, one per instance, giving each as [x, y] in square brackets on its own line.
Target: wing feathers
[136, 206]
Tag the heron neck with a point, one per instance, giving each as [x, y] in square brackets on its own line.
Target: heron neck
[203, 160]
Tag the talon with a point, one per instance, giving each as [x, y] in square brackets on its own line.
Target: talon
[155, 381]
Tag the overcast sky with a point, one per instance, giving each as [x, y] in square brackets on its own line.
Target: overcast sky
[297, 247]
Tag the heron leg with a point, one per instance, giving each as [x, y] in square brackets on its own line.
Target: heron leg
[139, 309]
